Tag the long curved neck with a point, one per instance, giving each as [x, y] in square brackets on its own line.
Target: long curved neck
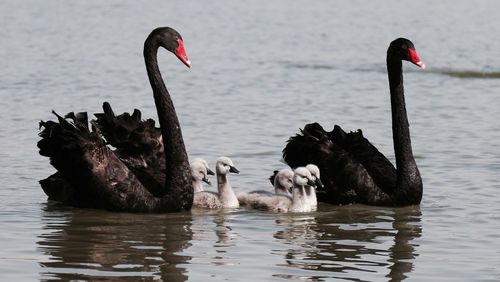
[226, 193]
[299, 201]
[197, 186]
[407, 171]
[222, 182]
[178, 176]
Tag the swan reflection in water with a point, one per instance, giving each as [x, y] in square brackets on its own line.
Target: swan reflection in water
[95, 245]
[351, 241]
[346, 242]
[214, 236]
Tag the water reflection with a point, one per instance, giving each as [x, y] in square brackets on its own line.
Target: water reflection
[214, 237]
[219, 223]
[352, 241]
[96, 245]
[223, 230]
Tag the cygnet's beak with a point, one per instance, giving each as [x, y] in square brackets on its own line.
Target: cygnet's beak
[233, 169]
[319, 183]
[311, 182]
[206, 180]
[210, 172]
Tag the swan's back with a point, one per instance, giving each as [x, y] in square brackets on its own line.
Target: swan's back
[206, 199]
[245, 199]
[265, 201]
[276, 203]
[282, 181]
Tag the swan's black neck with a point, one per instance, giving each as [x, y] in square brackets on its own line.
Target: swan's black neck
[177, 171]
[407, 172]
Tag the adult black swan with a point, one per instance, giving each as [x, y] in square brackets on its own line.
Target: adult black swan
[94, 176]
[352, 169]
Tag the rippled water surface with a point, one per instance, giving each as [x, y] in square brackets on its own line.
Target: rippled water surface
[261, 70]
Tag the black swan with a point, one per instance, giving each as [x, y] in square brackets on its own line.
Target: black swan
[352, 169]
[91, 175]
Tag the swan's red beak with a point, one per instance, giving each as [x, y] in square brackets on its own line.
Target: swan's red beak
[415, 59]
[181, 53]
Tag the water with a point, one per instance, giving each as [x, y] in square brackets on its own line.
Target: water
[261, 70]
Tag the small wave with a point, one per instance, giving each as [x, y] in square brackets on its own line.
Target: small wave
[466, 74]
[312, 66]
[470, 74]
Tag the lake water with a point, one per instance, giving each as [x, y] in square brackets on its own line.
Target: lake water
[261, 70]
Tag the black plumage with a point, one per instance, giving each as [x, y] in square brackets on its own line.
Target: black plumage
[90, 174]
[352, 169]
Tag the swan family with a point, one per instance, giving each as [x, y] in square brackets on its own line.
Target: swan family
[127, 164]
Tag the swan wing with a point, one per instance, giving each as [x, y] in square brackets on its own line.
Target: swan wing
[95, 174]
[206, 199]
[374, 162]
[131, 136]
[345, 178]
[138, 144]
[272, 177]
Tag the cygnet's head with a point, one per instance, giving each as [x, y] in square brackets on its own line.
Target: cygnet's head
[314, 170]
[224, 166]
[302, 177]
[209, 171]
[199, 171]
[284, 180]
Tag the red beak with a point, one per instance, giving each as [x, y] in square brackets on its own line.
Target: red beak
[415, 59]
[181, 53]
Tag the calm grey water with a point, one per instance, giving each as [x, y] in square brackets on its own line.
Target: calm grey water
[261, 70]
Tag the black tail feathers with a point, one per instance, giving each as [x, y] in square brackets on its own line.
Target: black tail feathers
[128, 133]
[67, 137]
[272, 177]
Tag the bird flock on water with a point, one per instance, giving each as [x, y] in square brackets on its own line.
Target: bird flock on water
[126, 163]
